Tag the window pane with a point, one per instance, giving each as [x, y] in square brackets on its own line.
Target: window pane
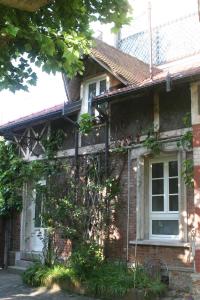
[165, 227]
[157, 187]
[173, 202]
[173, 185]
[173, 168]
[91, 91]
[102, 86]
[157, 203]
[157, 170]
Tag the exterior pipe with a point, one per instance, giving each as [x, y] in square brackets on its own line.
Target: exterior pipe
[76, 155]
[128, 206]
[107, 148]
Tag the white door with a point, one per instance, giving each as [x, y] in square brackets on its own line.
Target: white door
[32, 221]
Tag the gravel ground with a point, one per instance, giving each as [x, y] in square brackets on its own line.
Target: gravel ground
[12, 287]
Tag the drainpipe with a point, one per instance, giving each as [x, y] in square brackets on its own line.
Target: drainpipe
[106, 147]
[128, 206]
[76, 154]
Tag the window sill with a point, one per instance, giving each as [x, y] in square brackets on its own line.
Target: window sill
[161, 243]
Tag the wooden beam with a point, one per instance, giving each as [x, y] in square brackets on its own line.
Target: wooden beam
[26, 5]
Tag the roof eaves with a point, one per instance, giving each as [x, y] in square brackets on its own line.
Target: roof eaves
[120, 78]
[148, 84]
[22, 123]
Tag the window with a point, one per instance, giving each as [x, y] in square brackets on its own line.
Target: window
[93, 88]
[164, 199]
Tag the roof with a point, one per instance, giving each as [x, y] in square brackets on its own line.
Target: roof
[130, 70]
[46, 114]
[182, 71]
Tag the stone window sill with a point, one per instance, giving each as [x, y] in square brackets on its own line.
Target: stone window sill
[160, 243]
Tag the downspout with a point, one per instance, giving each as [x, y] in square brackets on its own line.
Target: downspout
[106, 118]
[76, 154]
[128, 206]
[106, 147]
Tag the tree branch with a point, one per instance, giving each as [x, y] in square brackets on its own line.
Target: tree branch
[27, 5]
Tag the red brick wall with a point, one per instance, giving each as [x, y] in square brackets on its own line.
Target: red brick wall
[172, 256]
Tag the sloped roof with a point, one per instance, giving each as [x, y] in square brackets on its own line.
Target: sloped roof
[189, 70]
[48, 113]
[129, 69]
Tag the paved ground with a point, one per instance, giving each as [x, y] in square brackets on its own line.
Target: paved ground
[11, 288]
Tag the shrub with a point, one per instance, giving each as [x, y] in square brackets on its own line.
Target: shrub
[40, 275]
[111, 280]
[35, 274]
[107, 280]
[86, 259]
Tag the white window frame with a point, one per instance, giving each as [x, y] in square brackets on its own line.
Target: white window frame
[166, 214]
[85, 90]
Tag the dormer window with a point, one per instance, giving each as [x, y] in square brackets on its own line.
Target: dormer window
[92, 88]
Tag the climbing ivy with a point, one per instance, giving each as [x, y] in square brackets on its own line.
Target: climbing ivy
[12, 175]
[86, 123]
[76, 210]
[152, 141]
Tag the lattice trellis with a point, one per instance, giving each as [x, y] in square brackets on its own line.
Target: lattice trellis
[171, 41]
[30, 141]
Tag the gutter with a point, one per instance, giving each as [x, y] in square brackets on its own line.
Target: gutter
[24, 123]
[126, 91]
[66, 110]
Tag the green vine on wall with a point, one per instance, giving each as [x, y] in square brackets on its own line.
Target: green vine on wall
[75, 210]
[152, 142]
[12, 174]
[86, 123]
[186, 144]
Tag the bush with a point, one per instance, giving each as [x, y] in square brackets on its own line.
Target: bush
[115, 279]
[111, 280]
[34, 275]
[86, 259]
[40, 275]
[107, 280]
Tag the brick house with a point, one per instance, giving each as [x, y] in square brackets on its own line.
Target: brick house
[158, 212]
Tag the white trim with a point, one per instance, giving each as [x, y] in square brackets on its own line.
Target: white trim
[196, 156]
[161, 242]
[194, 103]
[166, 214]
[85, 89]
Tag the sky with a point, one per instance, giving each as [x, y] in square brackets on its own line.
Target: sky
[50, 90]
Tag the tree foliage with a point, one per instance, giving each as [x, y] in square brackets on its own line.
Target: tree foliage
[10, 184]
[54, 37]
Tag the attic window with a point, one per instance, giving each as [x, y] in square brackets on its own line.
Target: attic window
[92, 88]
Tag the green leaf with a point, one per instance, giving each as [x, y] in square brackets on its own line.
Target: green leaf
[12, 30]
[48, 46]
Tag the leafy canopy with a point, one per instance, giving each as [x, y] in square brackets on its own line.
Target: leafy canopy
[54, 37]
